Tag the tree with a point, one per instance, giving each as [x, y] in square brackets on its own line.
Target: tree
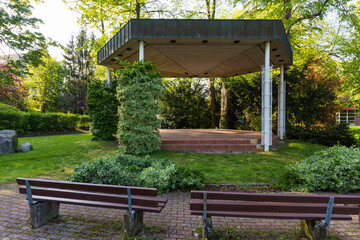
[46, 83]
[18, 39]
[349, 45]
[14, 94]
[312, 93]
[81, 70]
[108, 16]
[184, 104]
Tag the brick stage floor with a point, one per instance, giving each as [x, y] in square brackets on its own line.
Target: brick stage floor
[175, 222]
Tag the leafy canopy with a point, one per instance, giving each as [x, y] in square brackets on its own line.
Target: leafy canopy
[18, 40]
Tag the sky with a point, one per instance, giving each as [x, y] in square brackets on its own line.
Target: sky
[59, 23]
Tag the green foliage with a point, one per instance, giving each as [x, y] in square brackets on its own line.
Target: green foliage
[185, 105]
[139, 90]
[26, 122]
[325, 135]
[244, 101]
[312, 93]
[5, 107]
[102, 109]
[46, 84]
[334, 169]
[127, 170]
[16, 31]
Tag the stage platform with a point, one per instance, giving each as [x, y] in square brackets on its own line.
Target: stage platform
[212, 140]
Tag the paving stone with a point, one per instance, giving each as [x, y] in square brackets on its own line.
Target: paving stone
[174, 222]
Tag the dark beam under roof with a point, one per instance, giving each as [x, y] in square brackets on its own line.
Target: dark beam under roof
[199, 48]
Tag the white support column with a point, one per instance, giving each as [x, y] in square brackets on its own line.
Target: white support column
[266, 127]
[108, 81]
[281, 105]
[141, 50]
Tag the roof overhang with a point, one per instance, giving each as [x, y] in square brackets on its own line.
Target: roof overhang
[199, 48]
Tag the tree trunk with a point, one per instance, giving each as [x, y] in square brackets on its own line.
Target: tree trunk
[137, 10]
[223, 112]
[212, 101]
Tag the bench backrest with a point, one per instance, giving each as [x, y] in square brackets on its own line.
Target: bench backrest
[112, 196]
[259, 202]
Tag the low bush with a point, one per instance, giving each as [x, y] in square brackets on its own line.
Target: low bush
[128, 170]
[27, 122]
[325, 135]
[333, 169]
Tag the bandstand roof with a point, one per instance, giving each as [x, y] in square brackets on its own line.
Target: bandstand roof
[199, 48]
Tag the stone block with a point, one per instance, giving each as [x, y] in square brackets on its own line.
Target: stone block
[43, 212]
[25, 147]
[8, 141]
[133, 225]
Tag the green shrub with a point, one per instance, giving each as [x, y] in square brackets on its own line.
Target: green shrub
[325, 135]
[128, 170]
[27, 122]
[102, 106]
[334, 169]
[139, 91]
[6, 107]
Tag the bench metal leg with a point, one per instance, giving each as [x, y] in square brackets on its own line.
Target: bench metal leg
[207, 230]
[43, 212]
[133, 224]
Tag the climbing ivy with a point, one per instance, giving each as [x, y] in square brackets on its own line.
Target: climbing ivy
[102, 108]
[139, 90]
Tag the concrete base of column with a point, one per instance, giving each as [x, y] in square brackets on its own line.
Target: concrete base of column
[133, 225]
[314, 229]
[43, 212]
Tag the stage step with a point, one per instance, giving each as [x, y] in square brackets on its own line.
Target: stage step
[214, 145]
[211, 141]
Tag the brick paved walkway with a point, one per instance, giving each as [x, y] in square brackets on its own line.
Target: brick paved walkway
[175, 222]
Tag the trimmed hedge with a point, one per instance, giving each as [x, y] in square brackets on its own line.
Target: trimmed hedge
[25, 122]
[325, 135]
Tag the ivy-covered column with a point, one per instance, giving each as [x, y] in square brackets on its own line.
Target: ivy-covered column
[139, 90]
[102, 109]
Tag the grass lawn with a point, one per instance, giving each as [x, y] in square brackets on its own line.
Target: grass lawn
[56, 156]
[53, 156]
[356, 132]
[258, 167]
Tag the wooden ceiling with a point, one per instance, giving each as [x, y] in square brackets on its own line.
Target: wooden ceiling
[199, 48]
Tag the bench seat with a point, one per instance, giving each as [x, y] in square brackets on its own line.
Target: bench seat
[308, 208]
[135, 200]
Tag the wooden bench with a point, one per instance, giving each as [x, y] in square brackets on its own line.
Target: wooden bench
[310, 209]
[44, 198]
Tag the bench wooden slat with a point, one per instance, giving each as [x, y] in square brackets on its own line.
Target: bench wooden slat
[228, 206]
[91, 196]
[95, 203]
[88, 187]
[307, 216]
[259, 197]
